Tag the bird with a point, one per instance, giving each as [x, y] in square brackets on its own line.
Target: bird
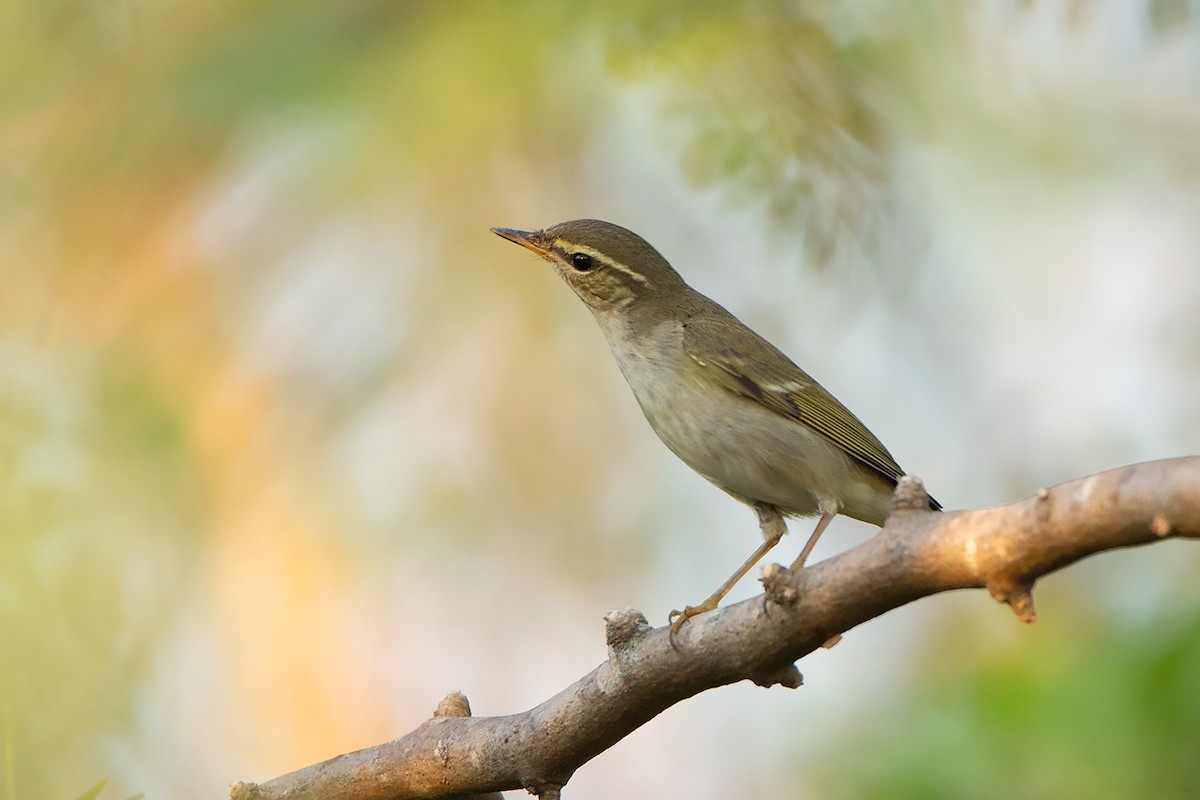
[723, 399]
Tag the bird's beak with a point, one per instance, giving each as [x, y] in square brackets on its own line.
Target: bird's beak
[529, 239]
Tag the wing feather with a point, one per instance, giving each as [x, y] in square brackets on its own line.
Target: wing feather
[771, 379]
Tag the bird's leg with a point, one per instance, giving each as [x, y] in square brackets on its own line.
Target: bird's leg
[824, 521]
[770, 521]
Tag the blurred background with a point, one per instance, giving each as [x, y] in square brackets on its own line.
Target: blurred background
[291, 445]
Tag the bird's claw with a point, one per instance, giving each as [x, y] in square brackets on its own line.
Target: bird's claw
[676, 618]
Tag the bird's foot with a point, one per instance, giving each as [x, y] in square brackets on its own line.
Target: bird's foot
[677, 618]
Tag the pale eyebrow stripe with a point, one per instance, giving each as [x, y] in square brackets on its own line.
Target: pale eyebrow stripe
[570, 247]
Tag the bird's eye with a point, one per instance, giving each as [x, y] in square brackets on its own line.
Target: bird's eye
[581, 261]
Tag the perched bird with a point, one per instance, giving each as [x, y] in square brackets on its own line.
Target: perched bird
[726, 401]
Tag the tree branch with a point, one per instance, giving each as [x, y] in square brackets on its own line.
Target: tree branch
[918, 553]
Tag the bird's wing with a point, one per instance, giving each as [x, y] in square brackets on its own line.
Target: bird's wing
[771, 379]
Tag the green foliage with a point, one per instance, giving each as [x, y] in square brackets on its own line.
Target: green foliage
[782, 102]
[1076, 714]
[93, 792]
